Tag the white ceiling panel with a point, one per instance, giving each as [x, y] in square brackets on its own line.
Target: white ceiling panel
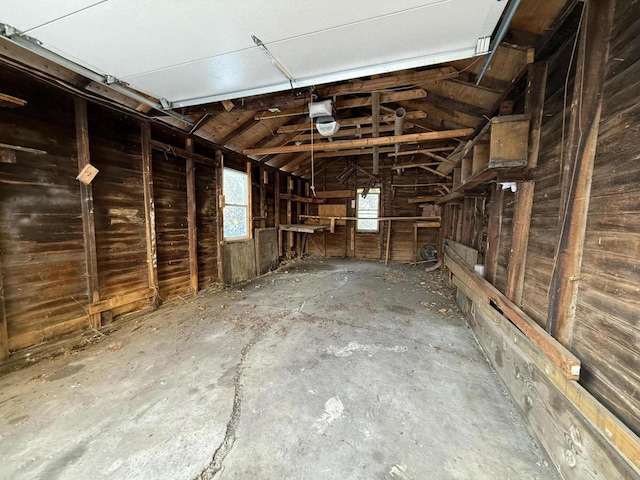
[201, 50]
[27, 15]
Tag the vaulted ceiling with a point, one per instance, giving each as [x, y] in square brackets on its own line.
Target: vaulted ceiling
[443, 103]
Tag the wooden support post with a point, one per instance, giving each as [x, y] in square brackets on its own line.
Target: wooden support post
[263, 197]
[289, 217]
[468, 208]
[219, 212]
[4, 336]
[250, 200]
[586, 108]
[149, 208]
[276, 204]
[191, 219]
[298, 213]
[534, 104]
[388, 250]
[86, 199]
[375, 117]
[493, 234]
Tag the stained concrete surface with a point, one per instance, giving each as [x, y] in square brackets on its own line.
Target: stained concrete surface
[327, 369]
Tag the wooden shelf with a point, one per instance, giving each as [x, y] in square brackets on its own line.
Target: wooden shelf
[302, 228]
[500, 146]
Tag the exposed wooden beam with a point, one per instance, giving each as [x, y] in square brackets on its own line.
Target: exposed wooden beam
[297, 160]
[454, 105]
[388, 81]
[534, 105]
[557, 353]
[220, 213]
[434, 171]
[375, 119]
[9, 101]
[239, 130]
[149, 207]
[363, 142]
[494, 231]
[344, 122]
[414, 165]
[191, 218]
[345, 132]
[577, 172]
[348, 103]
[452, 116]
[355, 151]
[86, 201]
[180, 152]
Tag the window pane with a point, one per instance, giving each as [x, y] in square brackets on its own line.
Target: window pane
[235, 222]
[234, 186]
[368, 207]
[368, 225]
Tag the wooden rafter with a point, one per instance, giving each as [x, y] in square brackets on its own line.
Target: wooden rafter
[348, 103]
[364, 142]
[403, 79]
[305, 126]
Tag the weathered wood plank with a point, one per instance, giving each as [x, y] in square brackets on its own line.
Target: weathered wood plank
[191, 218]
[584, 439]
[86, 199]
[363, 142]
[493, 234]
[149, 207]
[578, 169]
[560, 356]
[120, 300]
[534, 105]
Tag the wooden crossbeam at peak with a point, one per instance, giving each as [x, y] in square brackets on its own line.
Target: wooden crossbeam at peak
[363, 142]
[405, 95]
[353, 121]
[346, 132]
[389, 81]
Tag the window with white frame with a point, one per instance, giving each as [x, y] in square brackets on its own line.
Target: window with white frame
[235, 188]
[368, 209]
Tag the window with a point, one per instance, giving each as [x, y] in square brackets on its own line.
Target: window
[367, 210]
[235, 187]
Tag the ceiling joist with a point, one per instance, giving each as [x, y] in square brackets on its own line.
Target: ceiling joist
[364, 142]
[394, 97]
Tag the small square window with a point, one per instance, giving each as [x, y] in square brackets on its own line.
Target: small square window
[368, 209]
[235, 188]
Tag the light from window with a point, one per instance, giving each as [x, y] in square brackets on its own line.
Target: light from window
[367, 210]
[236, 199]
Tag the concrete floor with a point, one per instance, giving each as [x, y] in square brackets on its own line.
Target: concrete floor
[330, 369]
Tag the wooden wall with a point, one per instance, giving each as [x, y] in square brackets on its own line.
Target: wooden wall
[172, 235]
[606, 334]
[396, 190]
[118, 205]
[43, 249]
[206, 224]
[41, 235]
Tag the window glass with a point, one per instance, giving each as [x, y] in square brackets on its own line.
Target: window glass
[368, 208]
[235, 190]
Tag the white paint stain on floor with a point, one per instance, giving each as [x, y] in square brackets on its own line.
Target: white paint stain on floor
[370, 350]
[333, 409]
